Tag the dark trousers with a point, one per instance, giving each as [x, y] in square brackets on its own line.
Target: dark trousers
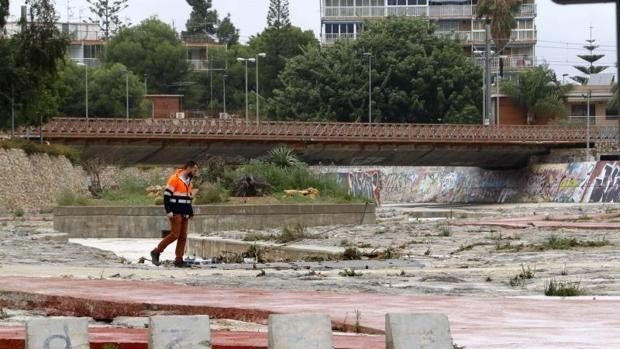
[178, 233]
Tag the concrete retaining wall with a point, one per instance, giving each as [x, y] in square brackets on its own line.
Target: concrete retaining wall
[575, 182]
[148, 222]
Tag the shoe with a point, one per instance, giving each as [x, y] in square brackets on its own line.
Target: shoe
[155, 258]
[182, 264]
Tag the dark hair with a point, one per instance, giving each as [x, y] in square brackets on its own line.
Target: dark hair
[190, 164]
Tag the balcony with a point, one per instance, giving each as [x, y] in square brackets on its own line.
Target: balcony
[330, 38]
[519, 36]
[335, 12]
[527, 10]
[511, 62]
[450, 11]
[460, 35]
[89, 62]
[198, 64]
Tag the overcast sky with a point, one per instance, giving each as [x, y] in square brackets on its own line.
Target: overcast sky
[561, 29]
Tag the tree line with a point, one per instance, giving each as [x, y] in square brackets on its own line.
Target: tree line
[417, 76]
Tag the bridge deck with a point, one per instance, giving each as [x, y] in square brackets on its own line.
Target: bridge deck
[317, 132]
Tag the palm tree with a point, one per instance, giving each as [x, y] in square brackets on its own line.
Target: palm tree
[612, 106]
[500, 14]
[538, 92]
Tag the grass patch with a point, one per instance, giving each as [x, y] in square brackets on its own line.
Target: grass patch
[67, 197]
[212, 194]
[257, 237]
[469, 247]
[553, 242]
[294, 177]
[350, 272]
[555, 288]
[351, 254]
[31, 148]
[19, 212]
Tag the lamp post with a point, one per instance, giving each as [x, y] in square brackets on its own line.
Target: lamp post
[369, 55]
[588, 97]
[263, 55]
[224, 91]
[86, 87]
[247, 106]
[126, 72]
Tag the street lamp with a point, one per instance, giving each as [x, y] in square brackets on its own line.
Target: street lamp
[224, 91]
[86, 86]
[126, 72]
[588, 97]
[564, 78]
[247, 106]
[263, 55]
[369, 55]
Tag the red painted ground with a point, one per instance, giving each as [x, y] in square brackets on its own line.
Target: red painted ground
[476, 322]
[13, 338]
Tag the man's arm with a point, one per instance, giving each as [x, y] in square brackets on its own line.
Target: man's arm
[167, 196]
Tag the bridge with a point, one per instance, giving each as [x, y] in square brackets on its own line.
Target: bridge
[156, 141]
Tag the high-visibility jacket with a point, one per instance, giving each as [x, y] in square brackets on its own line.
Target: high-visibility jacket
[178, 195]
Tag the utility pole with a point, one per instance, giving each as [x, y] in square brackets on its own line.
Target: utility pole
[588, 98]
[487, 75]
[12, 110]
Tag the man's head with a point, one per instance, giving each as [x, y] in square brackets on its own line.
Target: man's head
[191, 169]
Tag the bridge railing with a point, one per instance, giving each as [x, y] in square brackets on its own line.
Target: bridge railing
[239, 129]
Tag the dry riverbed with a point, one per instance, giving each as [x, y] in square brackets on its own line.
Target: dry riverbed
[429, 255]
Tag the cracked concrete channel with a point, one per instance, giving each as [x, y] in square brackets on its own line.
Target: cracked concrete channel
[473, 251]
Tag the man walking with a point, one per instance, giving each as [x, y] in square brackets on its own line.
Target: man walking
[178, 205]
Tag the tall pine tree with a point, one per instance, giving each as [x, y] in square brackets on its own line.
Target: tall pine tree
[202, 20]
[591, 58]
[4, 12]
[278, 16]
[106, 15]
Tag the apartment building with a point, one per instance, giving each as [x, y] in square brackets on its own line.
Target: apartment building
[344, 20]
[88, 42]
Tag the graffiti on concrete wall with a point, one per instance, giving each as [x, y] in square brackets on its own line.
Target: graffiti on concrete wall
[572, 182]
[604, 183]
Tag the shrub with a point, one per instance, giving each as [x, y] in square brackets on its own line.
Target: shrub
[30, 148]
[283, 157]
[292, 233]
[19, 212]
[66, 197]
[211, 194]
[562, 289]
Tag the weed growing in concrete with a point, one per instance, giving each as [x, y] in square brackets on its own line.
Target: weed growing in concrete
[555, 288]
[3, 314]
[358, 320]
[456, 346]
[525, 274]
[351, 254]
[19, 212]
[345, 243]
[364, 245]
[554, 242]
[564, 271]
[349, 272]
[445, 231]
[257, 237]
[469, 247]
[292, 233]
[428, 252]
[488, 279]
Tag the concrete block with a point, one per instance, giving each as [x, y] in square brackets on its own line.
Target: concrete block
[417, 331]
[57, 333]
[180, 332]
[302, 331]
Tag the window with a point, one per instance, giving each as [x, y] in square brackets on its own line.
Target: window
[582, 109]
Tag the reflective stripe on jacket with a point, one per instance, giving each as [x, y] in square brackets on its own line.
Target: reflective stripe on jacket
[178, 195]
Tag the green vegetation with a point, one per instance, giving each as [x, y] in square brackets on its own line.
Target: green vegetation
[555, 288]
[349, 272]
[19, 212]
[212, 194]
[420, 77]
[69, 198]
[31, 148]
[554, 242]
[292, 233]
[525, 274]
